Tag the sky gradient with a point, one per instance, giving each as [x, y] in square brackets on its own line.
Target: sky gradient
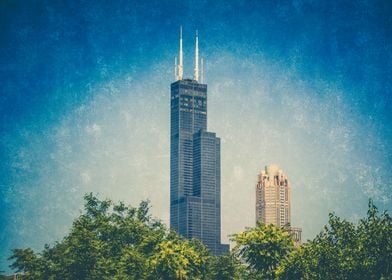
[84, 106]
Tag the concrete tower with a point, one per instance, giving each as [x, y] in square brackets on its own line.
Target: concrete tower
[273, 200]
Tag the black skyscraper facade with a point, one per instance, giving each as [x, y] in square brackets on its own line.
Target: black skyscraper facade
[195, 204]
[195, 208]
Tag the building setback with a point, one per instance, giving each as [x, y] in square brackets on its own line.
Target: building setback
[195, 208]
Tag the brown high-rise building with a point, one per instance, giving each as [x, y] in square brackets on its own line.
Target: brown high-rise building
[273, 193]
[273, 199]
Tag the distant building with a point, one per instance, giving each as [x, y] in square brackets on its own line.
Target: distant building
[195, 200]
[273, 200]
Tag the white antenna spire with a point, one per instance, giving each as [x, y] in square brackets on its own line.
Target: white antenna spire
[197, 58]
[201, 71]
[180, 66]
[175, 68]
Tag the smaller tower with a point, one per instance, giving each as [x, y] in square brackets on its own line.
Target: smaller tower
[273, 193]
[273, 200]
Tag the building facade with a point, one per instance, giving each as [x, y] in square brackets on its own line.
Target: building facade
[273, 193]
[195, 205]
[273, 200]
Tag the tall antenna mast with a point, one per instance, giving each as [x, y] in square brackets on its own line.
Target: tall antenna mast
[201, 71]
[175, 68]
[197, 58]
[180, 66]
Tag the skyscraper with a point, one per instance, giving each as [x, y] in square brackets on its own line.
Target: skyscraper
[194, 162]
[273, 199]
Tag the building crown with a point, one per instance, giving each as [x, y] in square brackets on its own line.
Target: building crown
[179, 69]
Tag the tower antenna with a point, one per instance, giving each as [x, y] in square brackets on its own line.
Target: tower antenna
[197, 58]
[180, 66]
[201, 71]
[175, 68]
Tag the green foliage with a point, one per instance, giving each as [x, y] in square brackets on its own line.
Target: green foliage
[262, 248]
[344, 250]
[177, 258]
[225, 267]
[113, 241]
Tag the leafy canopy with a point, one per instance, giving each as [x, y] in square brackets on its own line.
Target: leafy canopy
[114, 241]
[345, 250]
[262, 248]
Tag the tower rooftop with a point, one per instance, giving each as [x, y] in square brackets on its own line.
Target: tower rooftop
[272, 169]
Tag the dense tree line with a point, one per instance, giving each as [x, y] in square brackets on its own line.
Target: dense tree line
[114, 241]
[344, 250]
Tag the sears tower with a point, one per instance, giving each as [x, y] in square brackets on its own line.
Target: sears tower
[195, 204]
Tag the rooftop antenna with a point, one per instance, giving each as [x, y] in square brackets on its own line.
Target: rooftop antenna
[175, 68]
[201, 71]
[180, 66]
[197, 58]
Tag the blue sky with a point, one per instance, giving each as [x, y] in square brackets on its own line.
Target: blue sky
[84, 106]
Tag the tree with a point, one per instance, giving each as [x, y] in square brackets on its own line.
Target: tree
[262, 248]
[225, 267]
[344, 250]
[177, 258]
[114, 241]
